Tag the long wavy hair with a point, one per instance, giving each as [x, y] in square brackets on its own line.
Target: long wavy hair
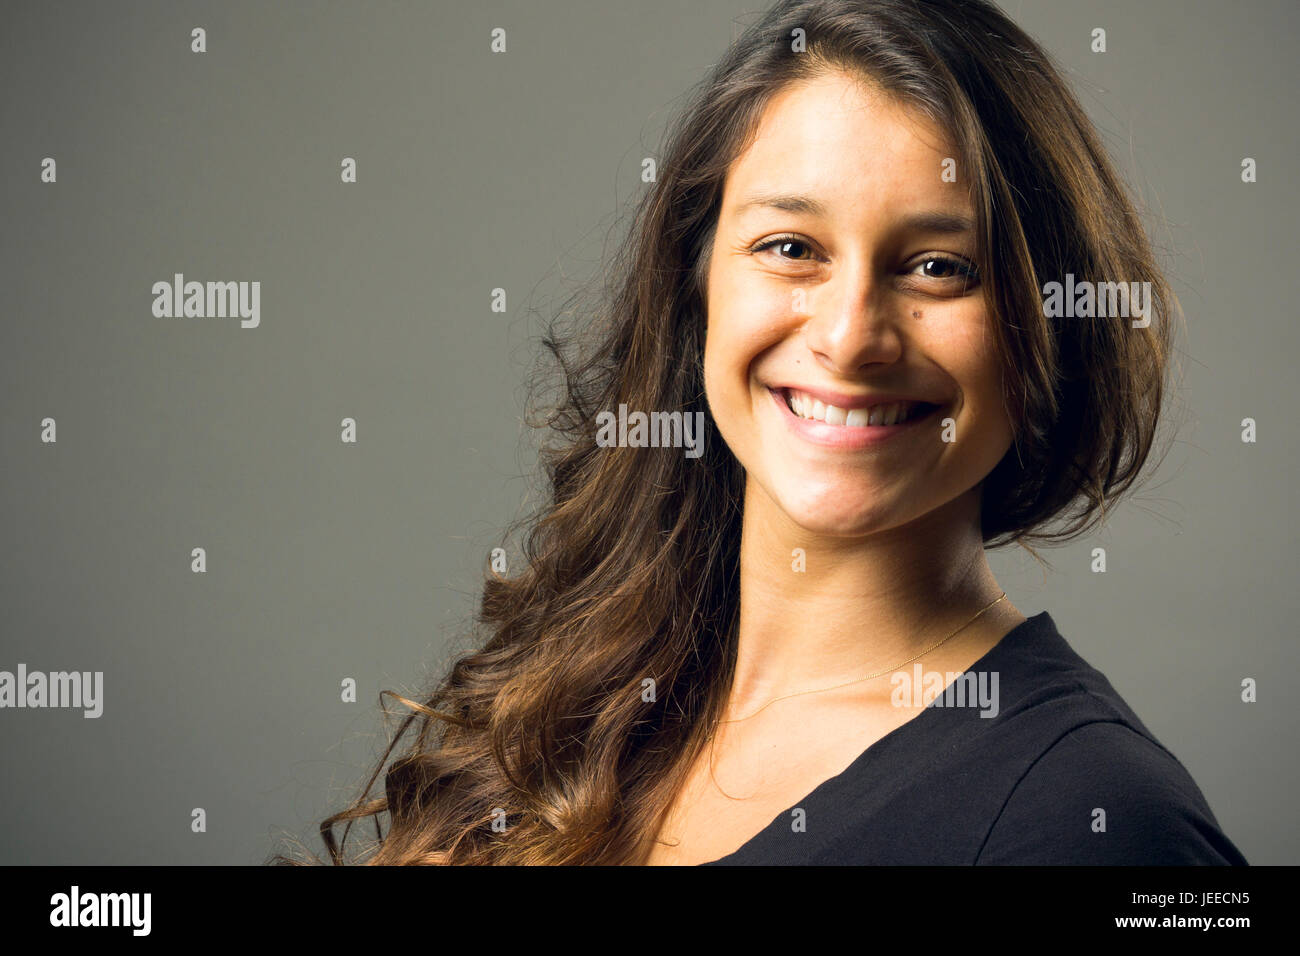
[604, 662]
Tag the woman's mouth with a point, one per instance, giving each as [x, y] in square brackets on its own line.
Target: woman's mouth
[821, 423]
[888, 413]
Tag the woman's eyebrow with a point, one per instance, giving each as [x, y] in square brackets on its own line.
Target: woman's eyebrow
[785, 202]
[940, 222]
[945, 222]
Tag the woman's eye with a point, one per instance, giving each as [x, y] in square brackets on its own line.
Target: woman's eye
[944, 267]
[787, 247]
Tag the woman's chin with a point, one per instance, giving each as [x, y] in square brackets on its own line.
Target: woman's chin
[839, 515]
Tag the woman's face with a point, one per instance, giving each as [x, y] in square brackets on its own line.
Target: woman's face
[841, 278]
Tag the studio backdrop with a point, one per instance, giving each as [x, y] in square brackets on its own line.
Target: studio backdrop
[240, 525]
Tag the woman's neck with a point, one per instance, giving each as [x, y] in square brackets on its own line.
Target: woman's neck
[818, 610]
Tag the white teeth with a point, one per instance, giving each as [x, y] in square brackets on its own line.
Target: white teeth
[805, 406]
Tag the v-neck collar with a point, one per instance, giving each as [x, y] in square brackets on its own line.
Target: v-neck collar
[922, 724]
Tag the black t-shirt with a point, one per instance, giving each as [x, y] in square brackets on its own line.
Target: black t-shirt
[1060, 771]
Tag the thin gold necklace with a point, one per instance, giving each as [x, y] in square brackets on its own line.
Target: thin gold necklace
[822, 690]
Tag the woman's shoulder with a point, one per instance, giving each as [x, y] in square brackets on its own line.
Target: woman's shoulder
[1106, 794]
[1094, 785]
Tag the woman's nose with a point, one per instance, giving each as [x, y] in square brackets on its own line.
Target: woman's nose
[851, 322]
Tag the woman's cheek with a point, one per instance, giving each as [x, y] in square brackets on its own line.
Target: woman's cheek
[975, 364]
[729, 342]
[719, 376]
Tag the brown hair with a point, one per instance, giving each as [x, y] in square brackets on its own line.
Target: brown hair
[631, 565]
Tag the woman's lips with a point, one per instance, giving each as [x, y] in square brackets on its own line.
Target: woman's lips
[845, 428]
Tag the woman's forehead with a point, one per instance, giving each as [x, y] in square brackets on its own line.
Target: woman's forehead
[834, 142]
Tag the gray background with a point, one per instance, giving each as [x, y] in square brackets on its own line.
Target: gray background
[477, 170]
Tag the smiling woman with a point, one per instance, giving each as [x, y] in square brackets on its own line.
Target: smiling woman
[704, 657]
[877, 236]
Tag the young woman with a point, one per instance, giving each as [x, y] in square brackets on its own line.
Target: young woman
[789, 647]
